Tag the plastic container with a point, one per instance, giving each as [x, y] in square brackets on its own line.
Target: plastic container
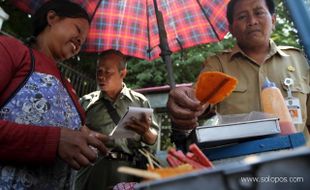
[281, 169]
[273, 103]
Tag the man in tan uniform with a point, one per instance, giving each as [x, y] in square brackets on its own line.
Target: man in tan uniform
[253, 58]
[102, 107]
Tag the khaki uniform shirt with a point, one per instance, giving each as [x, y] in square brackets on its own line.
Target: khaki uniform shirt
[104, 175]
[282, 62]
[98, 118]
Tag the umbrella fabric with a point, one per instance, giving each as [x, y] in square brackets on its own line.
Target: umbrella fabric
[130, 26]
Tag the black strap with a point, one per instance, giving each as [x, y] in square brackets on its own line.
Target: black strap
[23, 82]
[112, 111]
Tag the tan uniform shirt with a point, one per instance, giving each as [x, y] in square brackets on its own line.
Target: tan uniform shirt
[282, 62]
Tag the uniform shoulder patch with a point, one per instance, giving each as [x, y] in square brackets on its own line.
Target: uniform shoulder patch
[225, 51]
[91, 95]
[138, 95]
[289, 48]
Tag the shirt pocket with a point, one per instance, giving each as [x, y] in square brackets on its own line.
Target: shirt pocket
[241, 87]
[236, 99]
[235, 102]
[301, 84]
[300, 89]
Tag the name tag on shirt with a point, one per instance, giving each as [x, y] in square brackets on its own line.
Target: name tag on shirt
[293, 105]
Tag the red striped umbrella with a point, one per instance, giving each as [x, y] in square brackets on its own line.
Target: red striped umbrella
[132, 27]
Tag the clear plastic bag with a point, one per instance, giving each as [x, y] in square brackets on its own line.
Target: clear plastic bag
[236, 118]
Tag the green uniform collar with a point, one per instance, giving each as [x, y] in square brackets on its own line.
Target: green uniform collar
[124, 93]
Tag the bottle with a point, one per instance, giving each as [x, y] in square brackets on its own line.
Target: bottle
[273, 103]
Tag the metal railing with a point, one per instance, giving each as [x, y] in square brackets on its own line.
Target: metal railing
[81, 83]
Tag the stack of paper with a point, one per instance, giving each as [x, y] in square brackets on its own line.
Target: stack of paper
[133, 112]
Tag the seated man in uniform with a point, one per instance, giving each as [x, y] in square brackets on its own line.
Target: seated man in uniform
[103, 111]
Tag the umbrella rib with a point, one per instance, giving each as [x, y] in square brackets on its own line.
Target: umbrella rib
[204, 13]
[92, 16]
[181, 46]
[148, 30]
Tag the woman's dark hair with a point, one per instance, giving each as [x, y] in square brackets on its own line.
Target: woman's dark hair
[62, 8]
[232, 3]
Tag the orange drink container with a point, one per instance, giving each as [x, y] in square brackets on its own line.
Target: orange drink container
[273, 103]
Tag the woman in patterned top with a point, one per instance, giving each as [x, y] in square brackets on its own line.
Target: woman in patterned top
[42, 129]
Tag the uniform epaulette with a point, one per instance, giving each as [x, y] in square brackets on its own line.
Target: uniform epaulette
[225, 51]
[137, 94]
[289, 48]
[91, 95]
[87, 100]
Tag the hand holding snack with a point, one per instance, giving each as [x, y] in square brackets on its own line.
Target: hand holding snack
[214, 87]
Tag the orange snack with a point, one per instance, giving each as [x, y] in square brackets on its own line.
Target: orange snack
[214, 87]
[169, 171]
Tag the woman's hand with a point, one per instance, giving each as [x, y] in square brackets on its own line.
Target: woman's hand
[80, 148]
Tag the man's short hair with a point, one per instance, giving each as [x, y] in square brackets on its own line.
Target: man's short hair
[231, 5]
[123, 63]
